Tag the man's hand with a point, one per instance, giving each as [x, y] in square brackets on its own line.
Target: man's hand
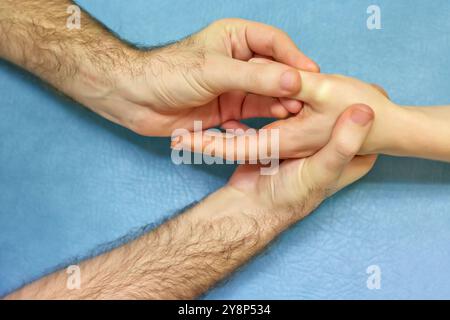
[187, 255]
[302, 184]
[206, 76]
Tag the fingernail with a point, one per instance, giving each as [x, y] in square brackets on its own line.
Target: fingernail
[290, 81]
[362, 115]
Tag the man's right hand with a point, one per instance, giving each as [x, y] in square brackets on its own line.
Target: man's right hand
[301, 185]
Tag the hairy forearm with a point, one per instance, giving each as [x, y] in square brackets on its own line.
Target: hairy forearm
[179, 260]
[422, 132]
[82, 63]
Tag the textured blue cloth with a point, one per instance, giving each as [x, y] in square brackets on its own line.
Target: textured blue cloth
[73, 184]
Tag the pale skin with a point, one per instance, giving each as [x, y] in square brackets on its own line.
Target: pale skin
[232, 70]
[422, 132]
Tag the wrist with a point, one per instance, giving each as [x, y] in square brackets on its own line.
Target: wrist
[271, 218]
[423, 133]
[116, 90]
[97, 80]
[404, 129]
[389, 130]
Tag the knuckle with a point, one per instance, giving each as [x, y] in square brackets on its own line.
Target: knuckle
[329, 84]
[325, 89]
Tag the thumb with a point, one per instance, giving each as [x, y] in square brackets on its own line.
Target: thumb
[272, 79]
[326, 166]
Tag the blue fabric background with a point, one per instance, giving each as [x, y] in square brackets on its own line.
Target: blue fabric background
[73, 184]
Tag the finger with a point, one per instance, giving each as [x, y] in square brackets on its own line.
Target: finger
[313, 87]
[261, 60]
[268, 79]
[351, 129]
[257, 106]
[239, 144]
[355, 170]
[283, 139]
[238, 105]
[279, 111]
[269, 41]
[234, 125]
[261, 57]
[291, 105]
